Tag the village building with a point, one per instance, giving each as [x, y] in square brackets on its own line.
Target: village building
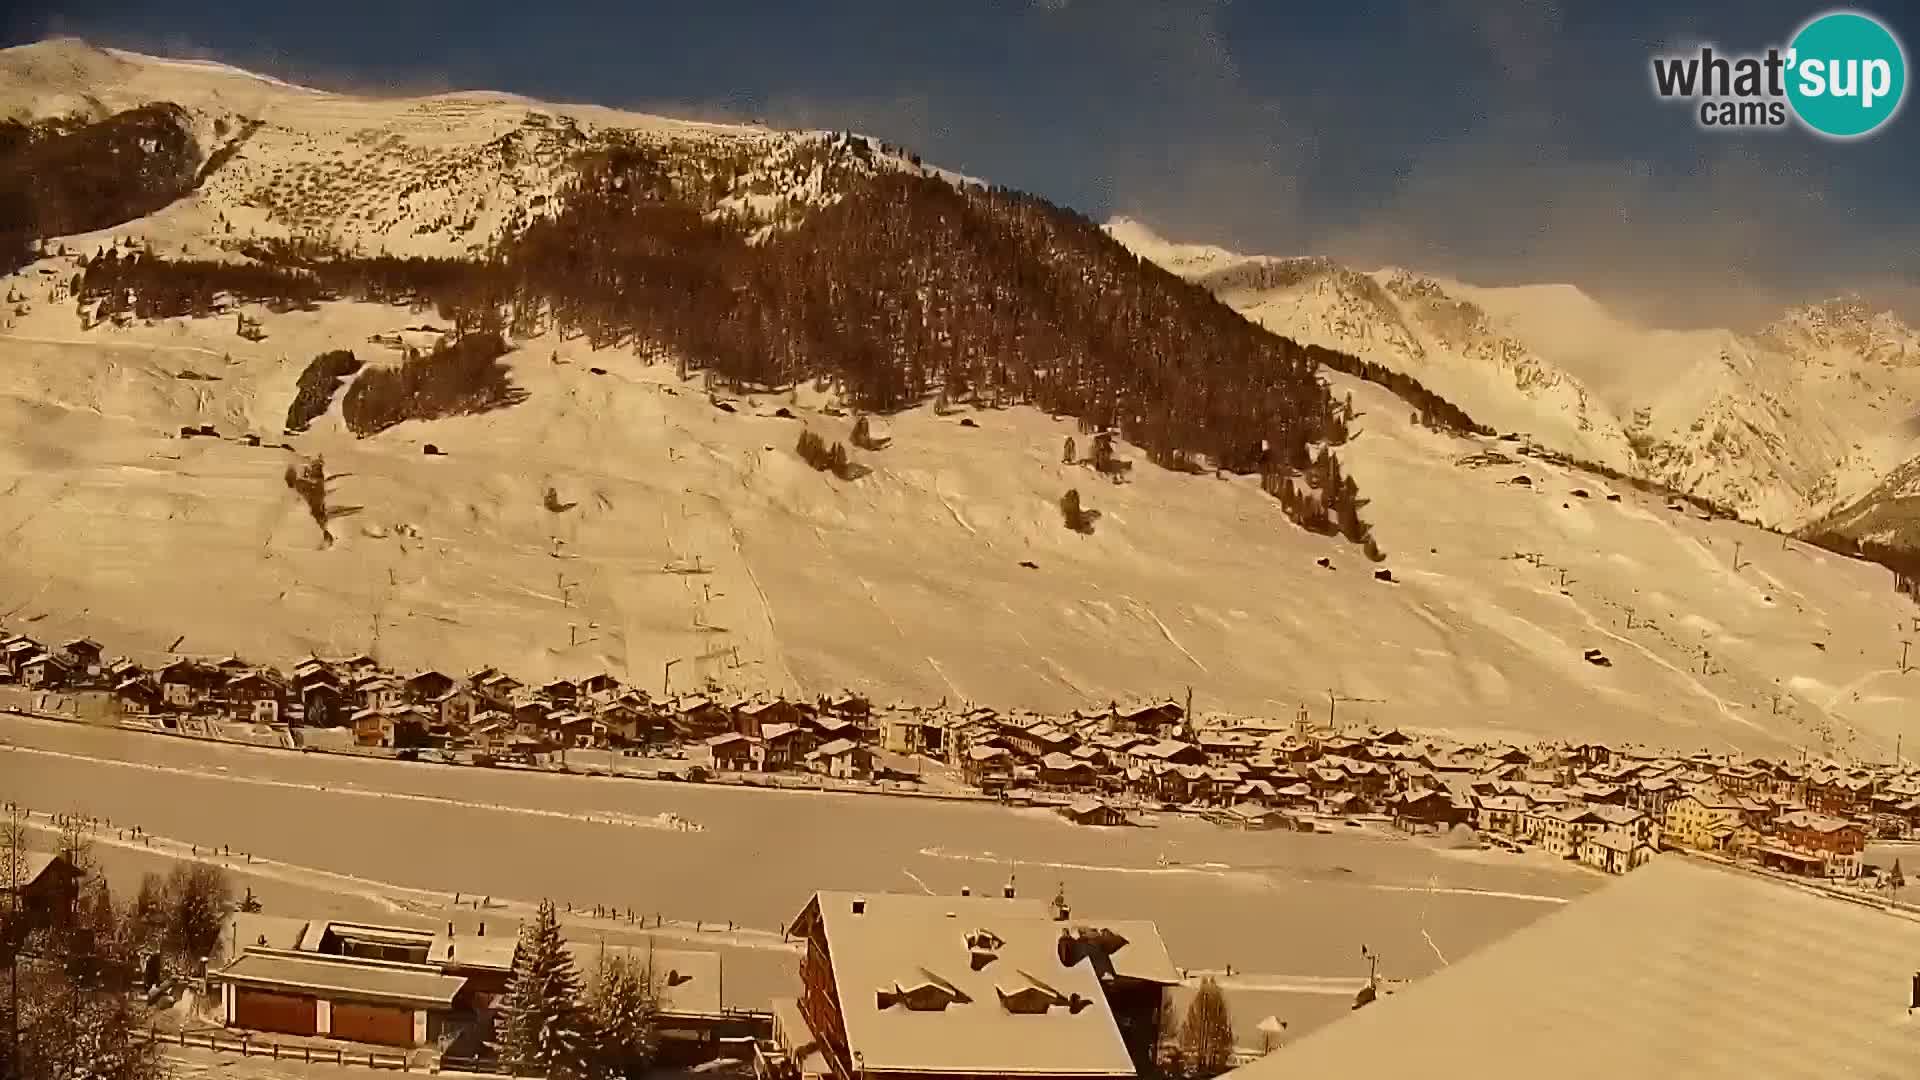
[699, 717]
[44, 671]
[1614, 852]
[898, 987]
[842, 759]
[730, 752]
[1837, 845]
[82, 656]
[1091, 811]
[1703, 819]
[988, 768]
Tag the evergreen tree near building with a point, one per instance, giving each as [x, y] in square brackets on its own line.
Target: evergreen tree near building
[1896, 879]
[621, 1008]
[542, 1029]
[1206, 1037]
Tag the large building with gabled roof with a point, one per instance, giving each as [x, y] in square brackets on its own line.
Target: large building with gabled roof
[897, 986]
[1681, 970]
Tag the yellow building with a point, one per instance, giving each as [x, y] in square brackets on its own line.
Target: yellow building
[1702, 819]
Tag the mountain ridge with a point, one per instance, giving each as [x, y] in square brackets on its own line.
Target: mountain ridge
[645, 511]
[1784, 423]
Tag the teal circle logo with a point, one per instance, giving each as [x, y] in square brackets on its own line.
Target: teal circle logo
[1846, 74]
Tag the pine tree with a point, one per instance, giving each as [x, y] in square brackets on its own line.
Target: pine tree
[542, 1028]
[621, 1007]
[1066, 452]
[1896, 879]
[1206, 1038]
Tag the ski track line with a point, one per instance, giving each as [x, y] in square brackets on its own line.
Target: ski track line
[605, 818]
[1225, 870]
[29, 339]
[408, 899]
[1166, 633]
[917, 881]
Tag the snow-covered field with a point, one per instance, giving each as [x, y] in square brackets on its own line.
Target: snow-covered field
[1270, 904]
[908, 582]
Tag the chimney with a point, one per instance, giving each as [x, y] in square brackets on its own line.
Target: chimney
[1008, 892]
[1062, 913]
[966, 890]
[1916, 992]
[483, 928]
[449, 927]
[859, 905]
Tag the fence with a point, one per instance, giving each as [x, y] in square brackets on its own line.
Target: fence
[247, 1047]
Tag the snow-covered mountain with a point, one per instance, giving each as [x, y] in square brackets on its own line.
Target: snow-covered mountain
[620, 515]
[1781, 425]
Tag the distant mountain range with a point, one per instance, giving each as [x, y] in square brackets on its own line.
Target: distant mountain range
[1817, 411]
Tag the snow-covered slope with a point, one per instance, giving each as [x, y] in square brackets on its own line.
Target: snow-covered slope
[1781, 424]
[681, 532]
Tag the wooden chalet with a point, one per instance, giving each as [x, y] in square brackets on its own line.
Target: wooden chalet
[900, 987]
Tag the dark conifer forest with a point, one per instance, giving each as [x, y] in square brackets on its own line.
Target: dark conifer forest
[59, 178]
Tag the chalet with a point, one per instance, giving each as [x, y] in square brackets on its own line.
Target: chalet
[1065, 770]
[495, 687]
[16, 649]
[185, 684]
[784, 746]
[730, 751]
[377, 691]
[561, 691]
[699, 718]
[1170, 752]
[452, 707]
[1613, 852]
[47, 885]
[1839, 794]
[1428, 808]
[842, 759]
[1501, 814]
[252, 695]
[43, 671]
[626, 726]
[1090, 811]
[1036, 741]
[989, 768]
[425, 687]
[899, 987]
[1154, 718]
[355, 665]
[83, 655]
[530, 716]
[850, 707]
[322, 704]
[137, 696]
[750, 716]
[582, 732]
[599, 688]
[1836, 843]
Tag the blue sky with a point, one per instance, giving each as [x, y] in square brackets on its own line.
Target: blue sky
[1499, 140]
